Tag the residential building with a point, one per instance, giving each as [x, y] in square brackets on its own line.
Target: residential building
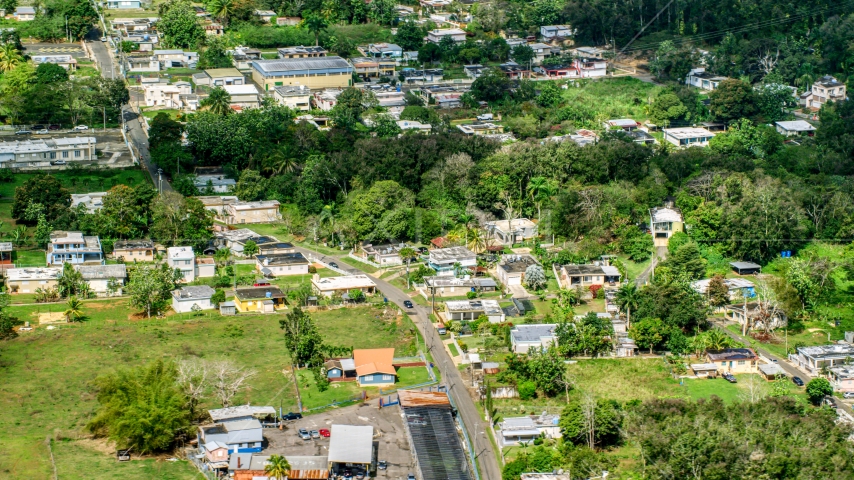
[243, 57]
[383, 255]
[412, 75]
[514, 71]
[470, 310]
[331, 286]
[813, 359]
[688, 136]
[5, 254]
[266, 16]
[166, 95]
[239, 436]
[264, 414]
[25, 14]
[142, 64]
[734, 360]
[508, 232]
[738, 288]
[541, 52]
[184, 259]
[436, 36]
[770, 371]
[641, 136]
[795, 128]
[590, 52]
[455, 287]
[842, 378]
[104, 280]
[825, 89]
[624, 124]
[46, 152]
[381, 50]
[756, 313]
[555, 31]
[215, 29]
[326, 99]
[243, 96]
[374, 367]
[65, 61]
[236, 240]
[295, 97]
[343, 368]
[282, 264]
[190, 298]
[698, 77]
[511, 270]
[123, 4]
[73, 247]
[664, 222]
[134, 250]
[445, 260]
[214, 183]
[414, 126]
[484, 128]
[175, 58]
[314, 72]
[288, 21]
[259, 299]
[573, 276]
[92, 202]
[579, 68]
[369, 67]
[745, 268]
[28, 280]
[217, 203]
[301, 52]
[514, 431]
[525, 337]
[264, 211]
[220, 77]
[146, 40]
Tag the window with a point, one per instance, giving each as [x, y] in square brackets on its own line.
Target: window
[64, 154]
[77, 154]
[388, 377]
[723, 364]
[368, 378]
[741, 362]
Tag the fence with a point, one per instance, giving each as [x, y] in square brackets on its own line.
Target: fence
[364, 260]
[357, 398]
[199, 463]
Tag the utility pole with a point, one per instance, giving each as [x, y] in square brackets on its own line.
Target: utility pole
[104, 112]
[160, 180]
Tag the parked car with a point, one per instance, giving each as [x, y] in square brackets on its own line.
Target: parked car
[42, 131]
[333, 264]
[830, 402]
[291, 416]
[303, 434]
[54, 127]
[360, 475]
[80, 128]
[797, 381]
[411, 476]
[58, 162]
[730, 378]
[442, 330]
[315, 434]
[382, 465]
[23, 132]
[848, 395]
[261, 284]
[324, 433]
[484, 117]
[103, 39]
[38, 127]
[408, 304]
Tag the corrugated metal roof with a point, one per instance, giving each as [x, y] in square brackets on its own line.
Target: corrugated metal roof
[301, 64]
[308, 474]
[351, 444]
[421, 399]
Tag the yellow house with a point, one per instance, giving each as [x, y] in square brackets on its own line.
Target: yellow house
[734, 360]
[663, 223]
[316, 73]
[134, 250]
[259, 299]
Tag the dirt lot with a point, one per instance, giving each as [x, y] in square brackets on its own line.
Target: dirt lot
[390, 438]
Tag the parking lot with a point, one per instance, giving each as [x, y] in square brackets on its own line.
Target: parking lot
[390, 440]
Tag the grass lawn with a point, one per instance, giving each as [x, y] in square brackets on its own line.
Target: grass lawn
[29, 258]
[60, 365]
[337, 391]
[82, 181]
[815, 333]
[634, 268]
[360, 265]
[614, 98]
[84, 71]
[150, 114]
[182, 71]
[407, 376]
[453, 349]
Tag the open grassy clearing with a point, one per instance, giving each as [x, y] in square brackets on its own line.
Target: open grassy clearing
[614, 97]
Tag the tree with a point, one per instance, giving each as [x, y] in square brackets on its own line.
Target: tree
[732, 100]
[227, 379]
[718, 291]
[302, 340]
[315, 24]
[44, 190]
[179, 26]
[221, 10]
[550, 95]
[817, 389]
[352, 103]
[250, 186]
[648, 333]
[215, 54]
[687, 261]
[591, 422]
[178, 220]
[49, 73]
[356, 295]
[667, 108]
[628, 298]
[409, 36]
[277, 467]
[9, 5]
[250, 248]
[73, 309]
[386, 126]
[10, 57]
[492, 85]
[717, 340]
[141, 409]
[70, 283]
[429, 52]
[150, 287]
[522, 54]
[7, 322]
[218, 102]
[535, 277]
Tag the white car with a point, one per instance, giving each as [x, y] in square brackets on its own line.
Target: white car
[103, 39]
[81, 127]
[848, 395]
[43, 131]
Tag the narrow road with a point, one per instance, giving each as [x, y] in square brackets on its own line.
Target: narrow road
[101, 53]
[474, 424]
[643, 278]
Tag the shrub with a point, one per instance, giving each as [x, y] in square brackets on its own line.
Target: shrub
[312, 269]
[471, 295]
[463, 346]
[527, 390]
[594, 290]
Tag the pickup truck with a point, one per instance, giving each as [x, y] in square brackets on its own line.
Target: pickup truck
[485, 117]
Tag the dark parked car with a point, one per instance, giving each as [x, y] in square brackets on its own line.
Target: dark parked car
[730, 378]
[797, 381]
[382, 465]
[830, 402]
[38, 127]
[411, 476]
[333, 264]
[23, 132]
[408, 304]
[54, 127]
[58, 162]
[291, 416]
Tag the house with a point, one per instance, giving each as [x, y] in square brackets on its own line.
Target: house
[301, 52]
[184, 259]
[508, 232]
[825, 89]
[370, 67]
[350, 446]
[541, 52]
[243, 96]
[146, 40]
[795, 128]
[741, 312]
[381, 50]
[374, 367]
[220, 77]
[92, 202]
[573, 276]
[216, 454]
[814, 359]
[214, 183]
[331, 286]
[175, 58]
[664, 222]
[436, 36]
[624, 124]
[247, 466]
[738, 288]
[470, 310]
[414, 126]
[295, 97]
[513, 431]
[215, 29]
[28, 280]
[640, 136]
[326, 99]
[688, 136]
[25, 14]
[185, 299]
[590, 52]
[217, 203]
[47, 152]
[771, 370]
[104, 280]
[698, 77]
[484, 128]
[165, 95]
[282, 265]
[259, 299]
[340, 368]
[266, 16]
[227, 308]
[315, 73]
[73, 247]
[454, 287]
[842, 378]
[383, 255]
[264, 211]
[288, 21]
[525, 337]
[243, 57]
[734, 360]
[123, 4]
[142, 64]
[65, 61]
[511, 270]
[579, 68]
[745, 268]
[5, 254]
[134, 250]
[412, 75]
[446, 260]
[239, 436]
[555, 31]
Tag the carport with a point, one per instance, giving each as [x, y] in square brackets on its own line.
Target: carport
[351, 447]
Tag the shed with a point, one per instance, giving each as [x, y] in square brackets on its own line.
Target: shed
[745, 268]
[490, 368]
[705, 369]
[227, 308]
[350, 444]
[771, 370]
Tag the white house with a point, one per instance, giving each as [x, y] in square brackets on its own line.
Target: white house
[65, 61]
[525, 337]
[795, 127]
[555, 31]
[436, 36]
[25, 14]
[688, 136]
[166, 95]
[443, 260]
[184, 259]
[330, 286]
[103, 278]
[216, 183]
[515, 430]
[184, 298]
[295, 97]
[824, 90]
[511, 270]
[508, 232]
[470, 310]
[813, 359]
[243, 96]
[699, 78]
[663, 223]
[282, 264]
[93, 201]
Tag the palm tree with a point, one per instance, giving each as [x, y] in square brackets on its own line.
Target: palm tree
[327, 217]
[222, 256]
[466, 219]
[277, 467]
[218, 102]
[407, 253]
[10, 57]
[628, 298]
[536, 187]
[277, 162]
[74, 309]
[717, 340]
[477, 241]
[315, 24]
[221, 9]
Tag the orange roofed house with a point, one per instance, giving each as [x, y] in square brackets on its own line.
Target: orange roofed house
[375, 366]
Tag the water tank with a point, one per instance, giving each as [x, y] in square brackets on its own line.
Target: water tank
[269, 294]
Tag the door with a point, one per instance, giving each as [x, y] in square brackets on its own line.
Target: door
[514, 281]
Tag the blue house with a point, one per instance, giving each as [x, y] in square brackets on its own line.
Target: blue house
[375, 366]
[74, 248]
[239, 436]
[340, 368]
[124, 3]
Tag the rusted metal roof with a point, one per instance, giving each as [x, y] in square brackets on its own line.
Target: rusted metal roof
[308, 475]
[423, 399]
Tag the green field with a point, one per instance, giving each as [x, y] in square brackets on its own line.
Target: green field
[614, 97]
[47, 376]
[360, 265]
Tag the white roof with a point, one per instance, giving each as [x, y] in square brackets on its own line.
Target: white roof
[247, 89]
[796, 126]
[702, 286]
[505, 225]
[666, 215]
[259, 205]
[220, 414]
[447, 31]
[688, 132]
[347, 282]
[771, 369]
[486, 306]
[16, 274]
[623, 122]
[351, 444]
[610, 271]
[180, 252]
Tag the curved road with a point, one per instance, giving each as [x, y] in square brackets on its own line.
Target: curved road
[475, 426]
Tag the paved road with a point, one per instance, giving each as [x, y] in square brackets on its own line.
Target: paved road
[474, 424]
[102, 56]
[643, 278]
